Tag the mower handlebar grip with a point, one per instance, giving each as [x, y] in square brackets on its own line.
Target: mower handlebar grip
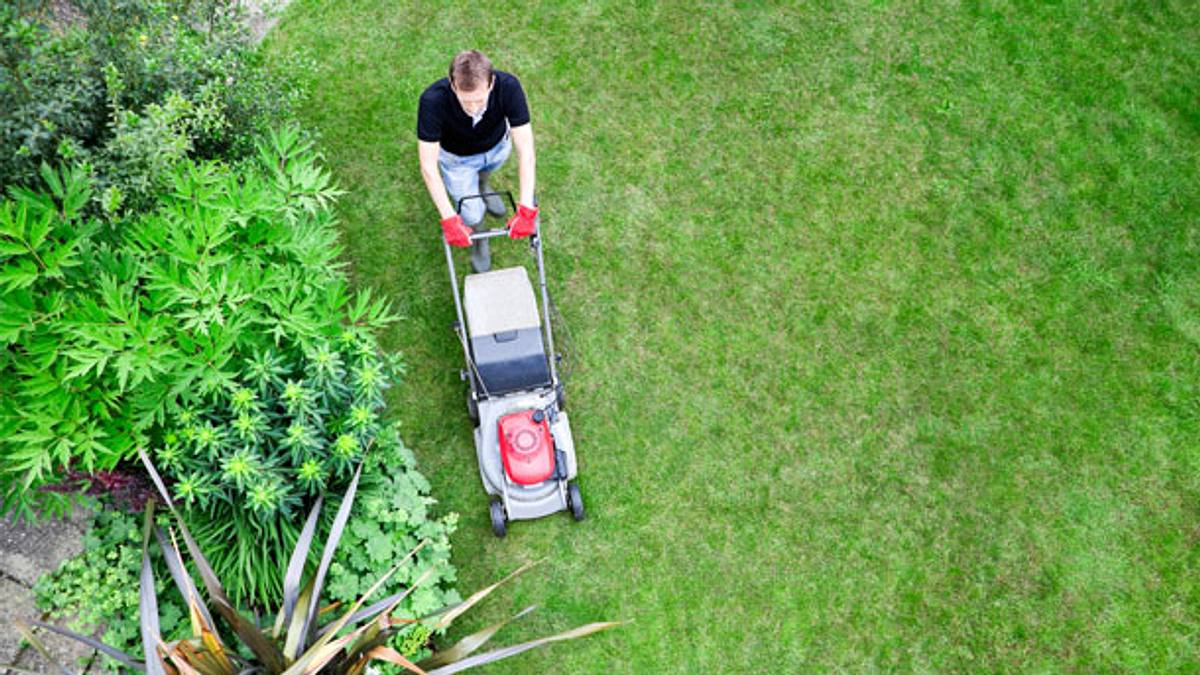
[488, 234]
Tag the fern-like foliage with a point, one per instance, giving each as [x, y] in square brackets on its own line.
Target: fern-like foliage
[231, 285]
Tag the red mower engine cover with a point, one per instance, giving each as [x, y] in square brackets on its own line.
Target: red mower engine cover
[527, 447]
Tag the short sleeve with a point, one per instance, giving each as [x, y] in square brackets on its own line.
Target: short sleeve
[429, 117]
[515, 108]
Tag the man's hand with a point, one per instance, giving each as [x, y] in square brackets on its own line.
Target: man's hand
[523, 223]
[456, 233]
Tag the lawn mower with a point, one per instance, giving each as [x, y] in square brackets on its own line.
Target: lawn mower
[515, 397]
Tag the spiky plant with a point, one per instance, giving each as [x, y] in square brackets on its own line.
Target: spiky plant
[301, 640]
[248, 458]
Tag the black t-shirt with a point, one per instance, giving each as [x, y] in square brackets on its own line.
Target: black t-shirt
[441, 118]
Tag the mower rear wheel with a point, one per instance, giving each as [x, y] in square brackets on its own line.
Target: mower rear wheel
[499, 522]
[575, 501]
[472, 407]
[560, 397]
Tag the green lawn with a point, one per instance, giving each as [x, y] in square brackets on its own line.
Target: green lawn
[886, 322]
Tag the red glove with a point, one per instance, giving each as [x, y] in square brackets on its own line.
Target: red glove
[455, 232]
[523, 223]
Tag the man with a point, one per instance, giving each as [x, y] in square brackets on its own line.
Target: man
[467, 124]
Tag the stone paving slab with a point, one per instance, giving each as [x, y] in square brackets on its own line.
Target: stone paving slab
[73, 655]
[16, 602]
[28, 550]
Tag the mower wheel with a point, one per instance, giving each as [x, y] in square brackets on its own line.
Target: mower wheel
[561, 397]
[472, 407]
[575, 501]
[499, 522]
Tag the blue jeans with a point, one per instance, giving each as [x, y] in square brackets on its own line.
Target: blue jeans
[461, 176]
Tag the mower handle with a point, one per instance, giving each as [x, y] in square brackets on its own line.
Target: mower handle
[488, 234]
[494, 232]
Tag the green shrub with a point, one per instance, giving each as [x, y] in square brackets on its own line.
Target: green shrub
[98, 587]
[50, 417]
[106, 82]
[218, 332]
[51, 95]
[107, 333]
[248, 460]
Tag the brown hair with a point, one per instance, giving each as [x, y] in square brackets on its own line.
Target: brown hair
[469, 69]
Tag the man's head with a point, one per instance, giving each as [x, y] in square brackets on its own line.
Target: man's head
[471, 79]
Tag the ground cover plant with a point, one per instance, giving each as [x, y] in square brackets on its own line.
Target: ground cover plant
[96, 592]
[885, 319]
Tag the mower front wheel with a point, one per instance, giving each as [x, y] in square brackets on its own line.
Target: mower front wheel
[499, 522]
[575, 501]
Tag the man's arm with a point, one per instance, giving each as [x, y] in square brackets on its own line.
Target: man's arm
[428, 152]
[522, 139]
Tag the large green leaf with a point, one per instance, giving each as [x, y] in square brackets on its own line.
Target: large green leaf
[295, 568]
[148, 602]
[471, 643]
[10, 247]
[355, 615]
[506, 652]
[18, 274]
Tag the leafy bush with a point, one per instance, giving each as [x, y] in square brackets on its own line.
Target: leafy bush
[217, 330]
[97, 589]
[126, 86]
[281, 432]
[107, 333]
[50, 92]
